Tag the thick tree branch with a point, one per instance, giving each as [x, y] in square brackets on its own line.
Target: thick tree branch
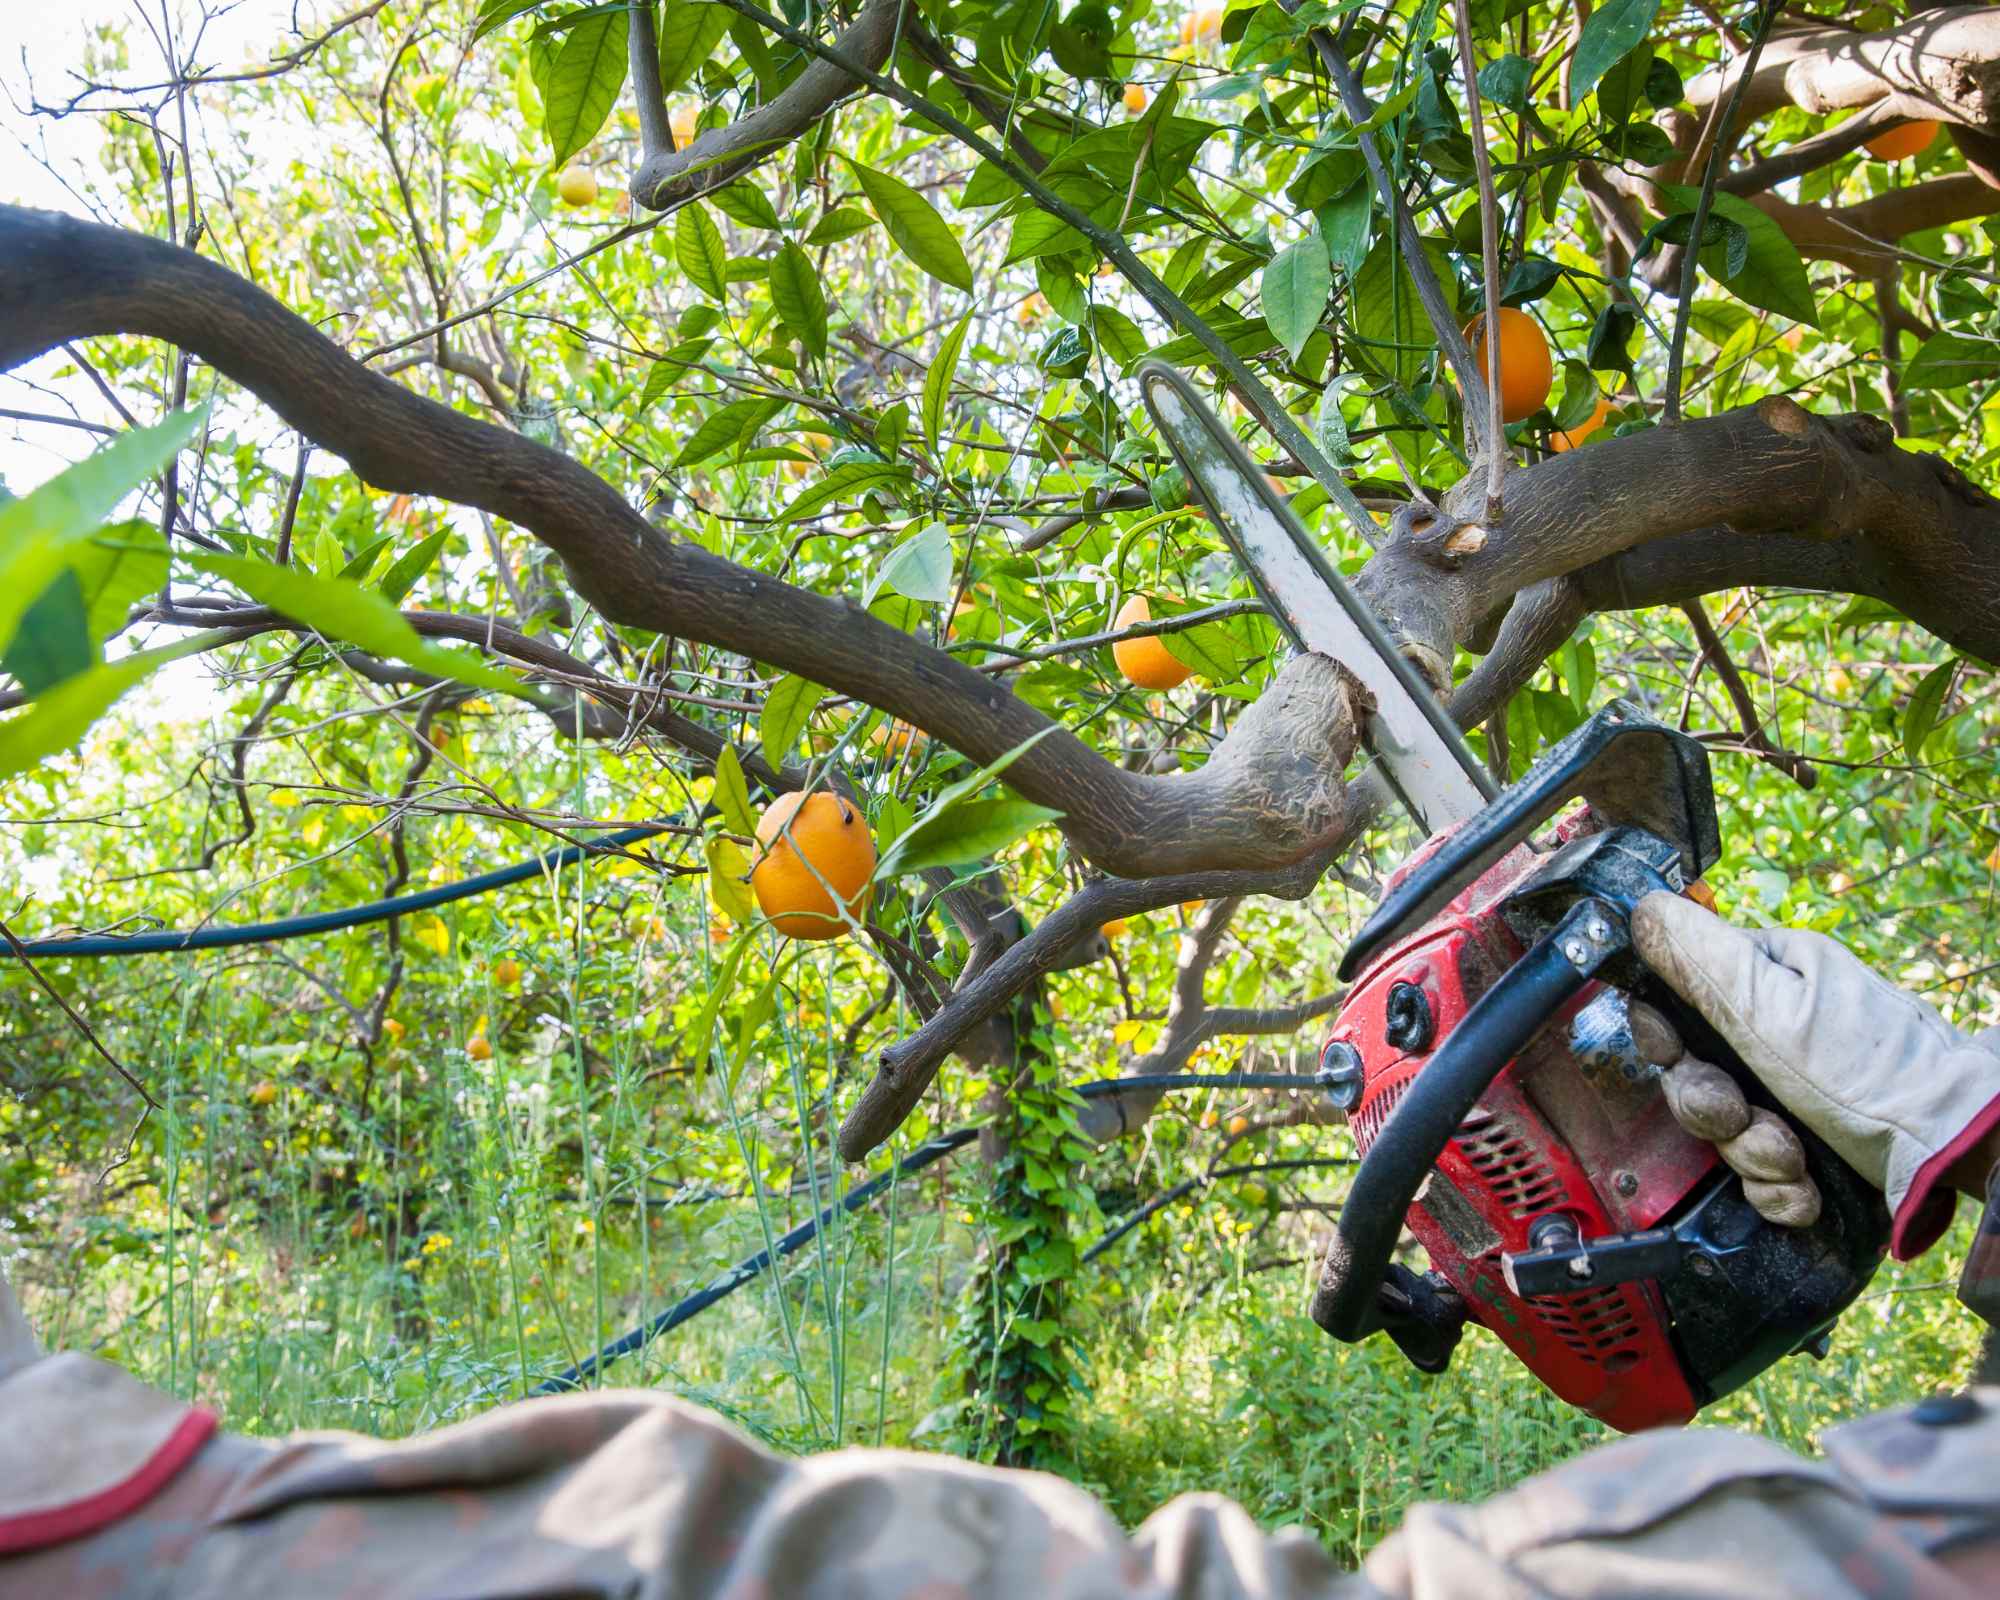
[1269, 798]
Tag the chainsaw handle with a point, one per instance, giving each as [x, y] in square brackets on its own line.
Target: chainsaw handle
[1494, 1031]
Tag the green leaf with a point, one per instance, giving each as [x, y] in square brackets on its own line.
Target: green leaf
[786, 709]
[851, 477]
[497, 13]
[1392, 107]
[1613, 29]
[1773, 277]
[745, 203]
[1505, 81]
[1210, 650]
[796, 293]
[1389, 324]
[54, 640]
[948, 797]
[1344, 224]
[721, 984]
[584, 81]
[918, 231]
[970, 832]
[42, 531]
[919, 567]
[732, 794]
[726, 427]
[689, 33]
[937, 381]
[54, 722]
[1609, 346]
[842, 222]
[411, 565]
[1921, 716]
[1950, 361]
[341, 609]
[1294, 290]
[698, 248]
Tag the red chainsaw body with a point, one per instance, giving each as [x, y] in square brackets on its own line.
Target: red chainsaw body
[1565, 1129]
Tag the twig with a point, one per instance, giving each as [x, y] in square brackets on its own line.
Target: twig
[1489, 245]
[1718, 154]
[21, 955]
[1794, 766]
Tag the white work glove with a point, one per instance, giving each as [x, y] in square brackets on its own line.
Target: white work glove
[1881, 1077]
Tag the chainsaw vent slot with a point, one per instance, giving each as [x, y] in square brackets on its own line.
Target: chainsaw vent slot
[1520, 1179]
[1593, 1325]
[1367, 1122]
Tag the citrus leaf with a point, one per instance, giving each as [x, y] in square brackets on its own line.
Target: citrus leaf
[1921, 716]
[54, 722]
[1612, 30]
[799, 300]
[721, 984]
[1388, 321]
[1772, 276]
[732, 794]
[54, 641]
[950, 796]
[786, 709]
[411, 565]
[937, 381]
[728, 880]
[919, 567]
[1210, 650]
[746, 203]
[698, 249]
[584, 79]
[689, 32]
[848, 477]
[918, 231]
[341, 609]
[970, 831]
[1294, 290]
[40, 533]
[496, 13]
[725, 427]
[1950, 361]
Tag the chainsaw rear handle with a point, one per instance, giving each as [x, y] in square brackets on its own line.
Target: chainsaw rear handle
[1494, 1031]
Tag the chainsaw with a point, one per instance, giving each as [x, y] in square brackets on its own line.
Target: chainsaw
[1484, 1054]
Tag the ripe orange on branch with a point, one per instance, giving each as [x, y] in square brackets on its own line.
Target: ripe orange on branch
[577, 186]
[1569, 439]
[1899, 144]
[1526, 368]
[1134, 98]
[812, 844]
[1146, 663]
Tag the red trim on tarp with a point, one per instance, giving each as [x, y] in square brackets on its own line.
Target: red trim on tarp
[33, 1530]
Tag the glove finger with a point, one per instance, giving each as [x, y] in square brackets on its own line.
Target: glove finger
[1766, 1150]
[1655, 1038]
[1726, 973]
[1705, 1100]
[1790, 1205]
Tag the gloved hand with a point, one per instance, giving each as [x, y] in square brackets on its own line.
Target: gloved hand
[1910, 1102]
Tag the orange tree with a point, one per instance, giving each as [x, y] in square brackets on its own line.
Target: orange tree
[747, 376]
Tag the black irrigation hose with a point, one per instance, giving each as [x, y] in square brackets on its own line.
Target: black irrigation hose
[930, 1150]
[221, 938]
[1160, 1202]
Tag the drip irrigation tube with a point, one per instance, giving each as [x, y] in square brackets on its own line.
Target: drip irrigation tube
[748, 1269]
[221, 938]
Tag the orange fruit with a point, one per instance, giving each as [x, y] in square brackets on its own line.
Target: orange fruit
[1135, 98]
[1571, 438]
[812, 843]
[1116, 928]
[577, 187]
[1199, 26]
[1839, 883]
[1526, 369]
[683, 123]
[1899, 144]
[1146, 663]
[1032, 308]
[264, 1093]
[392, 1030]
[896, 737]
[1239, 1125]
[1193, 907]
[506, 972]
[478, 1048]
